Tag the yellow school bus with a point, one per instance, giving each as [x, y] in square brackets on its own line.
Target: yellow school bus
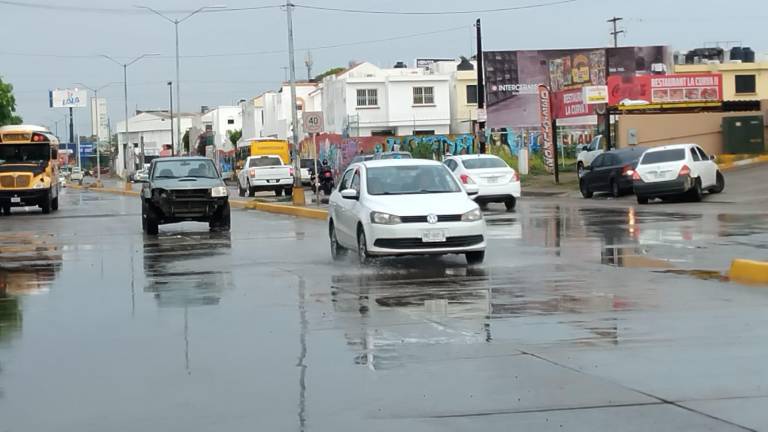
[29, 168]
[262, 147]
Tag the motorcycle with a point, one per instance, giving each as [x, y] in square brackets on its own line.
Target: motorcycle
[326, 183]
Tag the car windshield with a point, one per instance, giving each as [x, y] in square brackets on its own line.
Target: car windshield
[663, 156]
[185, 169]
[264, 161]
[25, 153]
[307, 163]
[631, 156]
[410, 180]
[483, 163]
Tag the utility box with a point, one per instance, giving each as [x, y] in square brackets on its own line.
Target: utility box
[743, 135]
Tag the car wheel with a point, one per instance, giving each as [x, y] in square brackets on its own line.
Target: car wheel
[337, 250]
[696, 194]
[585, 192]
[288, 191]
[55, 204]
[580, 170]
[279, 192]
[719, 185]
[251, 190]
[223, 221]
[148, 220]
[6, 210]
[510, 203]
[475, 258]
[46, 205]
[240, 189]
[362, 248]
[615, 190]
[642, 200]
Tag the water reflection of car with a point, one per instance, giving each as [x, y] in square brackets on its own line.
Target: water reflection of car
[611, 172]
[405, 207]
[498, 182]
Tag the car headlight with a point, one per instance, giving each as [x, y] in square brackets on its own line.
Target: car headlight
[472, 216]
[219, 191]
[39, 185]
[384, 218]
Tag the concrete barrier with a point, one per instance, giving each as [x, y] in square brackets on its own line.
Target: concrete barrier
[729, 162]
[750, 272]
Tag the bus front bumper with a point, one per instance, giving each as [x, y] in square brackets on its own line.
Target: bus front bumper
[23, 197]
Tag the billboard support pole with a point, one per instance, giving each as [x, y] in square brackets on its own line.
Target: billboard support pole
[71, 127]
[480, 86]
[555, 155]
[608, 140]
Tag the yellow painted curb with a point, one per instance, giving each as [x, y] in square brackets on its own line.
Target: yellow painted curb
[730, 163]
[304, 212]
[751, 272]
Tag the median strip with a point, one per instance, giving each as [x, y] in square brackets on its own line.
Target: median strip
[749, 272]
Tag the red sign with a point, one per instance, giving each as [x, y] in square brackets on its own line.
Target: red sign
[570, 103]
[545, 116]
[666, 89]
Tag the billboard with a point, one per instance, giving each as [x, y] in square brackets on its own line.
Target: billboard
[545, 120]
[68, 98]
[665, 89]
[513, 77]
[100, 123]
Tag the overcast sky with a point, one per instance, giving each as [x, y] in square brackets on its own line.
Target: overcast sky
[682, 24]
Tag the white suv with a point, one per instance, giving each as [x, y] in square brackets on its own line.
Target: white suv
[676, 171]
[588, 153]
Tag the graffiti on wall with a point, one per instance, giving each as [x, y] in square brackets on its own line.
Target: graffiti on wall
[568, 138]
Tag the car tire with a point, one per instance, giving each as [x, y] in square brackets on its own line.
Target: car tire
[149, 222]
[251, 190]
[475, 258]
[642, 200]
[279, 192]
[719, 185]
[696, 193]
[288, 191]
[46, 205]
[222, 222]
[241, 191]
[362, 248]
[585, 192]
[615, 189]
[337, 250]
[6, 210]
[55, 204]
[510, 203]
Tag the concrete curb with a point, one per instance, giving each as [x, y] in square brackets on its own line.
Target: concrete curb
[730, 164]
[304, 212]
[749, 272]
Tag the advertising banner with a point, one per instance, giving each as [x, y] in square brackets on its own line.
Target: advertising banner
[595, 95]
[68, 98]
[570, 103]
[665, 89]
[545, 122]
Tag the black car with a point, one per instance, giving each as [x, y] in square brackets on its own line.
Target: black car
[611, 172]
[181, 189]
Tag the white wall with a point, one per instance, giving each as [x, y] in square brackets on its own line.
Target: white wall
[155, 129]
[253, 117]
[223, 119]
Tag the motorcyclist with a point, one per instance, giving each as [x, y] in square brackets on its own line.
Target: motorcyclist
[326, 177]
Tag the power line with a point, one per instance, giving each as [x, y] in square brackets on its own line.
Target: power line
[454, 12]
[121, 11]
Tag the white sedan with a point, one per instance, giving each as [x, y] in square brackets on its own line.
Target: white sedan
[496, 180]
[404, 207]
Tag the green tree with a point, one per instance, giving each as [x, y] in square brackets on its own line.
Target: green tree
[8, 105]
[234, 136]
[329, 72]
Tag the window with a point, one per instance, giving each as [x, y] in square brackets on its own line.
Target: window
[410, 180]
[484, 163]
[424, 132]
[695, 155]
[702, 154]
[745, 84]
[423, 95]
[472, 94]
[598, 162]
[356, 182]
[662, 156]
[451, 164]
[344, 183]
[367, 98]
[385, 132]
[231, 121]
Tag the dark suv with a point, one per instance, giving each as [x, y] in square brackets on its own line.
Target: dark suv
[181, 189]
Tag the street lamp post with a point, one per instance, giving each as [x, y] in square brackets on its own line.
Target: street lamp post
[96, 125]
[170, 90]
[176, 23]
[125, 88]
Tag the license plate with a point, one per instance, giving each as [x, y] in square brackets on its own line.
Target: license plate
[433, 236]
[492, 180]
[271, 181]
[16, 200]
[660, 175]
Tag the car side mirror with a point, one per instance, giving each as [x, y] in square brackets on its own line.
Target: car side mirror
[472, 189]
[713, 158]
[350, 194]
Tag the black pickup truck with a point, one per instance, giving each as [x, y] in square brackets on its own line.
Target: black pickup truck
[182, 189]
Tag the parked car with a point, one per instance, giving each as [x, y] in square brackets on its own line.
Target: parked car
[181, 189]
[141, 175]
[392, 155]
[76, 175]
[404, 207]
[611, 172]
[62, 179]
[497, 182]
[588, 153]
[676, 171]
[265, 173]
[307, 171]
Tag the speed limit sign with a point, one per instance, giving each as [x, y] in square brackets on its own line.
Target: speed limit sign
[313, 122]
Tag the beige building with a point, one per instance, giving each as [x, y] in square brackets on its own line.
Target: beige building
[741, 81]
[463, 92]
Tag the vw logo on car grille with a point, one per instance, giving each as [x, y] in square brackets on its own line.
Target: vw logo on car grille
[432, 219]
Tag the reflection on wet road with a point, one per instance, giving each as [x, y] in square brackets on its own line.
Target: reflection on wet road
[587, 316]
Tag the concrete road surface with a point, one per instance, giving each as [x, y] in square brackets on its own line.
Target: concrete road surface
[589, 315]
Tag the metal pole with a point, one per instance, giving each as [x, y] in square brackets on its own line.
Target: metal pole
[480, 86]
[317, 176]
[170, 89]
[128, 146]
[178, 83]
[98, 129]
[71, 127]
[294, 112]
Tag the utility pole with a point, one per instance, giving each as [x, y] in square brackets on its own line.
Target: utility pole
[173, 147]
[298, 191]
[285, 73]
[71, 127]
[616, 32]
[480, 87]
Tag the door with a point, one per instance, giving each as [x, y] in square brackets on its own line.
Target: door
[709, 169]
[343, 208]
[597, 175]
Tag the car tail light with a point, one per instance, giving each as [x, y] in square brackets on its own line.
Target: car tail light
[515, 177]
[684, 171]
[636, 175]
[36, 137]
[327, 174]
[466, 179]
[290, 171]
[627, 170]
[252, 172]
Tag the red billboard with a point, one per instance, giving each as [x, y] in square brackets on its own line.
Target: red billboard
[570, 103]
[666, 89]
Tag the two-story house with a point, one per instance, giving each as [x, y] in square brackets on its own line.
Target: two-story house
[366, 100]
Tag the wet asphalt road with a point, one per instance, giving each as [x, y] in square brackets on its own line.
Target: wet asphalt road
[587, 316]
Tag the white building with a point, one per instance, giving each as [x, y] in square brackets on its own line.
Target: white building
[277, 119]
[221, 120]
[253, 117]
[366, 100]
[153, 129]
